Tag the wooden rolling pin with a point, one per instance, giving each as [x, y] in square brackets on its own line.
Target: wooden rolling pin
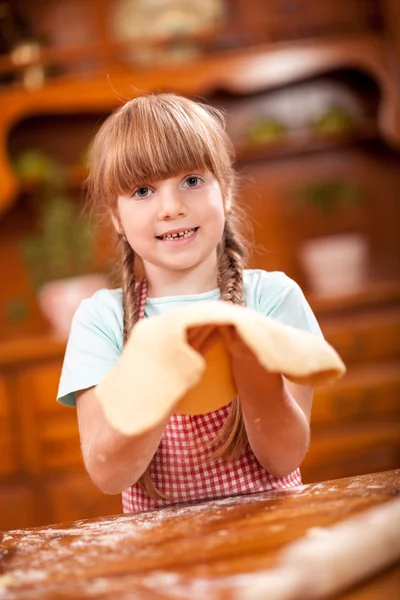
[328, 560]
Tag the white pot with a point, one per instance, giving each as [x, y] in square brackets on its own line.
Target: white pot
[335, 264]
[59, 299]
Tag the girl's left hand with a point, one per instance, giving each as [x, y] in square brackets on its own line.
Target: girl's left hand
[253, 382]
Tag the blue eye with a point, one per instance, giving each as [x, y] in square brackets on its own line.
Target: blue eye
[142, 192]
[193, 181]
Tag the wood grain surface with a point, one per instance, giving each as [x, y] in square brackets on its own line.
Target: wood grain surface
[218, 550]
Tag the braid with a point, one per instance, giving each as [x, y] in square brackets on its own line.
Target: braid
[130, 300]
[231, 266]
[131, 315]
[231, 440]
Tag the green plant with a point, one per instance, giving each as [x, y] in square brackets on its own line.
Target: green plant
[62, 245]
[326, 195]
[334, 121]
[265, 130]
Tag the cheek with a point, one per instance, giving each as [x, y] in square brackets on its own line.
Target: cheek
[134, 222]
[219, 223]
[212, 204]
[217, 215]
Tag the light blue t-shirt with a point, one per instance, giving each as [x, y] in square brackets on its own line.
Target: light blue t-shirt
[96, 339]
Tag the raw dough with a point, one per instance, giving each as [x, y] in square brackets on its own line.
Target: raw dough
[348, 552]
[179, 362]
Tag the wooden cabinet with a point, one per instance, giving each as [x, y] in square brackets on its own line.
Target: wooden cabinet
[19, 506]
[72, 496]
[42, 477]
[283, 19]
[7, 433]
[51, 436]
[61, 117]
[356, 423]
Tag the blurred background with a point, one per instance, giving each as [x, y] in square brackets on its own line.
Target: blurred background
[311, 90]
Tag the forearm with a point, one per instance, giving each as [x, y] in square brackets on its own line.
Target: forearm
[277, 428]
[120, 461]
[114, 461]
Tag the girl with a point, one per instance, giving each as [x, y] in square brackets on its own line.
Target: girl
[161, 168]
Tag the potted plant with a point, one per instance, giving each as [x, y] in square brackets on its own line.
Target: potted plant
[60, 254]
[335, 262]
[264, 131]
[334, 121]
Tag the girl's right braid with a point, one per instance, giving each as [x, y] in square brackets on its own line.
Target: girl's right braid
[129, 295]
[131, 314]
[232, 438]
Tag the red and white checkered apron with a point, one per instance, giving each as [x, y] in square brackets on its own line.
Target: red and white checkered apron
[183, 468]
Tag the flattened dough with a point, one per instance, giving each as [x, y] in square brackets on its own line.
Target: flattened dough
[178, 362]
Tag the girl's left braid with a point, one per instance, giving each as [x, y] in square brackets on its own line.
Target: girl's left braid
[231, 266]
[232, 438]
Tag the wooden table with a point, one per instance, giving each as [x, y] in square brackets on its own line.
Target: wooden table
[209, 550]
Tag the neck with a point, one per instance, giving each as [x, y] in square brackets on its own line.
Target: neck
[197, 280]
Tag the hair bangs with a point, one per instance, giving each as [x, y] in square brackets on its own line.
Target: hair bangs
[156, 137]
[162, 149]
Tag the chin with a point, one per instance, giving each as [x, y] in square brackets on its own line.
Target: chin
[184, 260]
[180, 266]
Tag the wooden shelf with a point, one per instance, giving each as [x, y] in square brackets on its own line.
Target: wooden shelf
[112, 50]
[20, 350]
[379, 292]
[40, 347]
[305, 142]
[294, 144]
[75, 176]
[238, 71]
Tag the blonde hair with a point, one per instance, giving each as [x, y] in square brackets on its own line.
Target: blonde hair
[155, 137]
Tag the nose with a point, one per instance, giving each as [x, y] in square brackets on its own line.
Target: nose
[171, 205]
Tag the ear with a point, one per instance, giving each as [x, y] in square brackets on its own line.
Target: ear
[228, 202]
[116, 222]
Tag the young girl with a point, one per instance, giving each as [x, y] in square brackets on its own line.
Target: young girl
[161, 168]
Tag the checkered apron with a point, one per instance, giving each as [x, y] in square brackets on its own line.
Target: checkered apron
[183, 468]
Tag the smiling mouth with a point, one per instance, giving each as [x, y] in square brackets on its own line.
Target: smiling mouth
[186, 233]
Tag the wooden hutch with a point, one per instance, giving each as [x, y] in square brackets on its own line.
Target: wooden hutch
[264, 49]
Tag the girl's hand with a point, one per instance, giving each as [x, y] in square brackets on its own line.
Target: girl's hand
[276, 412]
[253, 382]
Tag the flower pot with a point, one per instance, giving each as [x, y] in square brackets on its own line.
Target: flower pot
[335, 264]
[59, 300]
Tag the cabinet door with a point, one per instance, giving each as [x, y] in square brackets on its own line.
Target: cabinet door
[8, 450]
[366, 394]
[355, 424]
[18, 506]
[49, 430]
[73, 496]
[51, 451]
[365, 336]
[352, 450]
